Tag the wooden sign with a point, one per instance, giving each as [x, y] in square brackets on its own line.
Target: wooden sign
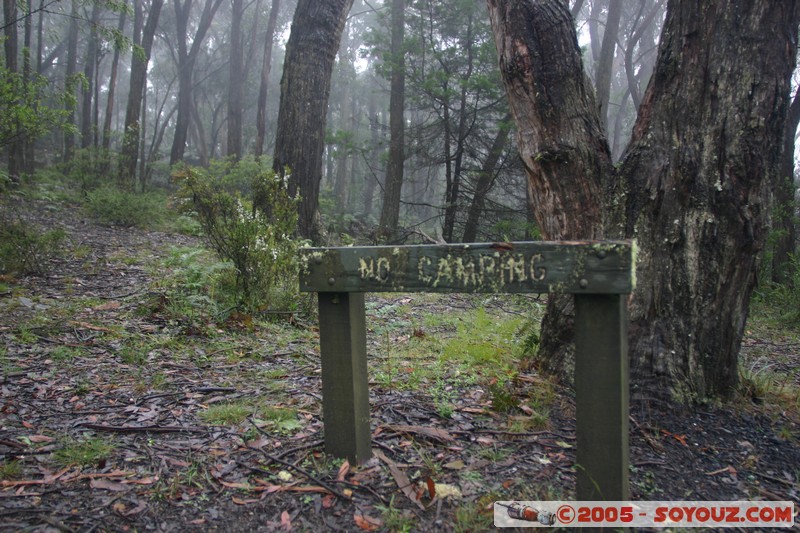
[520, 267]
[599, 274]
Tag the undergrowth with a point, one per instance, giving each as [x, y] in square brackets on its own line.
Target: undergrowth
[26, 249]
[258, 243]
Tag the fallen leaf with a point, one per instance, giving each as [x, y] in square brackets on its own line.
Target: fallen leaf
[108, 306]
[343, 470]
[286, 521]
[239, 501]
[328, 501]
[245, 486]
[563, 444]
[40, 438]
[403, 483]
[448, 491]
[107, 484]
[148, 480]
[727, 470]
[458, 464]
[434, 433]
[141, 506]
[367, 523]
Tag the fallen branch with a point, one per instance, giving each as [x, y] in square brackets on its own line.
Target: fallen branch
[145, 429]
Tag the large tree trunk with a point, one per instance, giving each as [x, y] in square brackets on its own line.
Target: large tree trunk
[11, 46]
[89, 64]
[130, 139]
[703, 154]
[305, 87]
[390, 210]
[237, 81]
[69, 79]
[705, 145]
[266, 64]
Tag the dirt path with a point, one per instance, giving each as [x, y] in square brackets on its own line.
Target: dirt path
[97, 374]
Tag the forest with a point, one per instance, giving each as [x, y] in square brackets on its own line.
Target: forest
[164, 163]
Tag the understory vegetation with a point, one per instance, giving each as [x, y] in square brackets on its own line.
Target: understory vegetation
[165, 331]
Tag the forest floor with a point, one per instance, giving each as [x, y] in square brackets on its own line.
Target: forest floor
[119, 414]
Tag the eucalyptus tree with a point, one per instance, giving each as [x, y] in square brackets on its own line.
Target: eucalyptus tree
[692, 186]
[143, 36]
[305, 87]
[187, 59]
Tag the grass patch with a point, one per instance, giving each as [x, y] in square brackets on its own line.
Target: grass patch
[10, 470]
[228, 413]
[87, 452]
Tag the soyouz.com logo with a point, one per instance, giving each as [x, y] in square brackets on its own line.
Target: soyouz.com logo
[644, 514]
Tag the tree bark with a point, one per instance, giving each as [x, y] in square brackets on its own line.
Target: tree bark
[112, 85]
[390, 210]
[783, 224]
[89, 64]
[11, 47]
[704, 148]
[486, 180]
[453, 189]
[305, 88]
[703, 153]
[266, 64]
[69, 79]
[187, 57]
[130, 139]
[236, 82]
[605, 66]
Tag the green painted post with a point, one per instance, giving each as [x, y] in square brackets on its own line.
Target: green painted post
[345, 392]
[601, 385]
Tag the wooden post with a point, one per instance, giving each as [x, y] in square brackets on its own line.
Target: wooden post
[345, 392]
[601, 385]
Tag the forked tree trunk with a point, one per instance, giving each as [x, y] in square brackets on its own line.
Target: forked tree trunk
[305, 87]
[692, 184]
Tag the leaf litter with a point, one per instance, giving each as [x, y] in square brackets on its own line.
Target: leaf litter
[83, 365]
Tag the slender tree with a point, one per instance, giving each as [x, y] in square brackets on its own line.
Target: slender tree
[236, 81]
[784, 191]
[69, 79]
[143, 35]
[692, 187]
[486, 178]
[305, 87]
[390, 211]
[112, 82]
[89, 64]
[187, 58]
[266, 64]
[11, 47]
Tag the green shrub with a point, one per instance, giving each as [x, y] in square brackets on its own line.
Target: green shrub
[25, 249]
[260, 245]
[116, 207]
[87, 169]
